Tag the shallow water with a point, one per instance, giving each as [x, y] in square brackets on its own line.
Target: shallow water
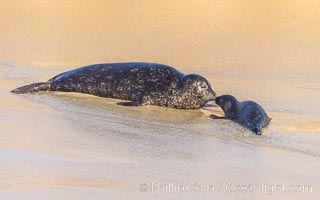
[72, 146]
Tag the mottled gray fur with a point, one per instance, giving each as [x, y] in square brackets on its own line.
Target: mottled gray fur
[247, 113]
[140, 83]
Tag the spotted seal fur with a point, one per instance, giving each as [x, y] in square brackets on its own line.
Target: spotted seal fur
[140, 83]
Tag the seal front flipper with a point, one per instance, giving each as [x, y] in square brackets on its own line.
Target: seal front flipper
[35, 87]
[216, 117]
[132, 103]
[138, 99]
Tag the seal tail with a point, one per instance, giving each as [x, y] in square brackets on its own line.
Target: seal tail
[35, 87]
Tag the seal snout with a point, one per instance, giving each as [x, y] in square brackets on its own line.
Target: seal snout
[211, 95]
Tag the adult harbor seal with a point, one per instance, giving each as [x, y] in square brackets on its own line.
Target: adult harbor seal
[140, 83]
[247, 113]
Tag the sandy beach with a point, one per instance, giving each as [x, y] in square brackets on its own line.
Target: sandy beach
[56, 145]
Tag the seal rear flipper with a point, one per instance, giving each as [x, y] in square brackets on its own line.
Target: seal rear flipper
[268, 122]
[35, 87]
[256, 128]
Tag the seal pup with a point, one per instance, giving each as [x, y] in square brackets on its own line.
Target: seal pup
[247, 113]
[140, 83]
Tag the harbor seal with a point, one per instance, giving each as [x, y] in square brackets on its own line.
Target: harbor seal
[140, 83]
[247, 113]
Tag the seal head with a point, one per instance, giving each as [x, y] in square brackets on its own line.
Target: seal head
[197, 88]
[229, 105]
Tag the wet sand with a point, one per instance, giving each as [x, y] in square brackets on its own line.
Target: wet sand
[72, 146]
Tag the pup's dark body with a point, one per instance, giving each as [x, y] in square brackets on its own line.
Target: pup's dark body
[247, 113]
[141, 83]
